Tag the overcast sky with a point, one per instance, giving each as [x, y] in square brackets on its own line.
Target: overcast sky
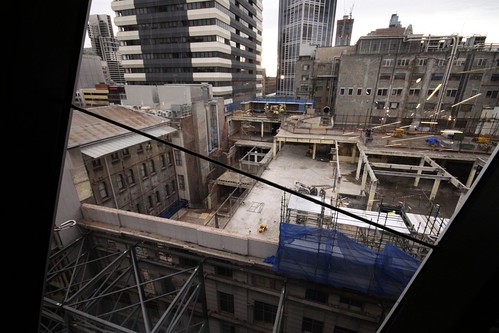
[428, 17]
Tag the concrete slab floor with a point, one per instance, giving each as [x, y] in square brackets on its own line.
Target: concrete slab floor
[263, 203]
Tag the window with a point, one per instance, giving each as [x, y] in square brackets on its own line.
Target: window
[422, 61]
[481, 62]
[359, 91]
[130, 177]
[309, 325]
[460, 62]
[350, 91]
[476, 76]
[167, 190]
[368, 91]
[226, 302]
[339, 329]
[188, 262]
[494, 77]
[441, 62]
[103, 190]
[181, 182]
[143, 170]
[429, 106]
[226, 328]
[152, 166]
[417, 76]
[396, 91]
[387, 62]
[178, 157]
[223, 271]
[451, 93]
[316, 295]
[174, 187]
[491, 94]
[385, 76]
[403, 62]
[430, 91]
[125, 152]
[158, 197]
[163, 161]
[394, 105]
[140, 149]
[305, 67]
[342, 91]
[120, 180]
[399, 76]
[96, 163]
[382, 92]
[137, 208]
[265, 312]
[304, 78]
[437, 76]
[414, 92]
[149, 202]
[115, 157]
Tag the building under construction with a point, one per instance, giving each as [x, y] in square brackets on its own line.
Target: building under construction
[288, 256]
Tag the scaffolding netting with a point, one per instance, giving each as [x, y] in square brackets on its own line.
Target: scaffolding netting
[329, 257]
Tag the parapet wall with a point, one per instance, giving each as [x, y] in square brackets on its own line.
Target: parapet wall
[178, 231]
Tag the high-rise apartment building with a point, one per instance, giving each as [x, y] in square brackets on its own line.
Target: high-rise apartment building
[105, 45]
[216, 42]
[301, 24]
[344, 29]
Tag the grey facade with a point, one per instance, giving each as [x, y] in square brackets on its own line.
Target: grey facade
[301, 24]
[192, 42]
[199, 118]
[115, 168]
[390, 76]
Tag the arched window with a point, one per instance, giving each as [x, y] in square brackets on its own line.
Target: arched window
[143, 170]
[120, 180]
[152, 167]
[130, 177]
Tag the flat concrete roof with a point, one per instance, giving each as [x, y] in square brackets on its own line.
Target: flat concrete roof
[263, 203]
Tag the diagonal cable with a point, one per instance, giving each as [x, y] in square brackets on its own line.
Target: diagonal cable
[265, 181]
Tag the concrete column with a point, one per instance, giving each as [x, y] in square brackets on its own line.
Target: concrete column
[420, 171]
[353, 153]
[372, 193]
[471, 176]
[460, 201]
[434, 189]
[364, 180]
[359, 166]
[261, 129]
[274, 148]
[313, 151]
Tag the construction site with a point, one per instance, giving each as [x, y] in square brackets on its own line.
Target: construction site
[312, 227]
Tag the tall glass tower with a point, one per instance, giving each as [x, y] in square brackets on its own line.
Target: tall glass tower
[301, 23]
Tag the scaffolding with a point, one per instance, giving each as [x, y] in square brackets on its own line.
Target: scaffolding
[92, 289]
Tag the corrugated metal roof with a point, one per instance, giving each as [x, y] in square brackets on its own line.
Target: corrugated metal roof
[112, 145]
[86, 129]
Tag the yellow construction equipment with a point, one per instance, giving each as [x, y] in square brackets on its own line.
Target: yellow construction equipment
[482, 139]
[398, 133]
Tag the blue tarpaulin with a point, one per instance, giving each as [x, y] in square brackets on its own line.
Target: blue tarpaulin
[330, 257]
[432, 140]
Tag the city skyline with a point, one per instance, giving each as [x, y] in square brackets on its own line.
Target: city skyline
[428, 18]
